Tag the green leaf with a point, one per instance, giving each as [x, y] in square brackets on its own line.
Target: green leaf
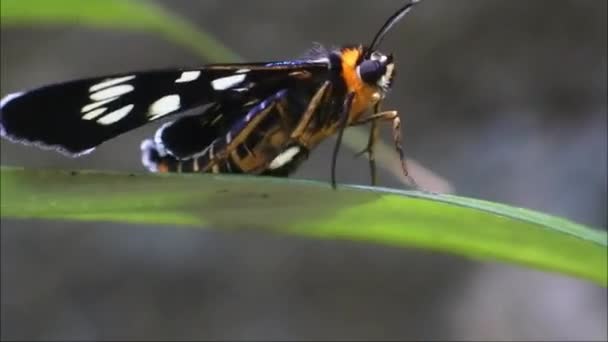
[462, 226]
[115, 14]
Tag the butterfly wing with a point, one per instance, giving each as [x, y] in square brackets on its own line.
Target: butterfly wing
[76, 116]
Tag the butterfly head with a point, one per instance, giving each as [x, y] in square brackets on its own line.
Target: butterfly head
[375, 68]
[378, 70]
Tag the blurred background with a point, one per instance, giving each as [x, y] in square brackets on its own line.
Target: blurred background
[503, 100]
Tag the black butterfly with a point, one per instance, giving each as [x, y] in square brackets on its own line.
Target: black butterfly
[258, 118]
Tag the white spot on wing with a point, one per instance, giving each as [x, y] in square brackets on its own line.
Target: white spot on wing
[114, 91]
[242, 71]
[8, 98]
[188, 76]
[284, 157]
[94, 113]
[227, 82]
[94, 105]
[115, 116]
[164, 106]
[110, 82]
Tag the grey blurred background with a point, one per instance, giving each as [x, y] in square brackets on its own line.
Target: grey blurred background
[505, 100]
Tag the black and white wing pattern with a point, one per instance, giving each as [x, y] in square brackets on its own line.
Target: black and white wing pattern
[76, 116]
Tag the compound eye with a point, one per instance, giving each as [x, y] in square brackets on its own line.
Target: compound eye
[370, 71]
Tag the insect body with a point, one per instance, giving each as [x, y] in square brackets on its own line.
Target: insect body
[255, 118]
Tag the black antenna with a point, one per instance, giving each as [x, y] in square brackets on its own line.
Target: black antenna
[390, 22]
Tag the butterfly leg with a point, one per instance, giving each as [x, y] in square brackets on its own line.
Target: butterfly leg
[342, 126]
[310, 111]
[393, 117]
[369, 149]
